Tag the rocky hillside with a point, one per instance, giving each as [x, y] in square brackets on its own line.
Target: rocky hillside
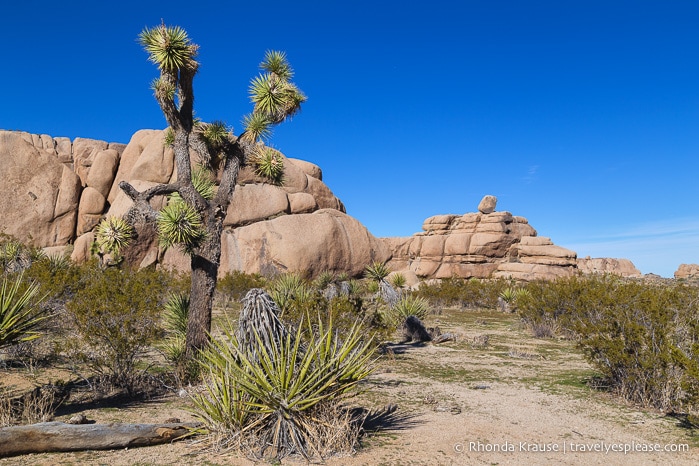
[55, 191]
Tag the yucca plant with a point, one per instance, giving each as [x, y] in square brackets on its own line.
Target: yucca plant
[196, 223]
[20, 314]
[508, 295]
[113, 234]
[324, 279]
[398, 280]
[180, 224]
[169, 47]
[175, 313]
[284, 398]
[376, 271]
[288, 289]
[269, 164]
[409, 305]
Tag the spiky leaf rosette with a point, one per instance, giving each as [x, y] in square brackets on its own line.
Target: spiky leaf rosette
[257, 126]
[275, 97]
[269, 164]
[169, 47]
[275, 62]
[376, 271]
[215, 132]
[409, 305]
[19, 312]
[274, 394]
[179, 224]
[113, 234]
[175, 313]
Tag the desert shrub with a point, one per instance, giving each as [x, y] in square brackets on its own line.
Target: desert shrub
[642, 337]
[115, 316]
[466, 293]
[284, 396]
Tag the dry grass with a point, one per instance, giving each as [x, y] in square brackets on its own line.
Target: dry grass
[38, 405]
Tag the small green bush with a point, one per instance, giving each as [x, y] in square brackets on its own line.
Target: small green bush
[470, 293]
[116, 317]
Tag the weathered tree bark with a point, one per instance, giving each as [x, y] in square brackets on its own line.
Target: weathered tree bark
[56, 436]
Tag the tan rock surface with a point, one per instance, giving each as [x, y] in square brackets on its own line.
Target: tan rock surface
[92, 204]
[307, 243]
[39, 195]
[687, 271]
[254, 202]
[487, 204]
[103, 170]
[481, 245]
[310, 169]
[621, 267]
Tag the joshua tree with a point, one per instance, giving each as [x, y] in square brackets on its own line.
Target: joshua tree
[193, 218]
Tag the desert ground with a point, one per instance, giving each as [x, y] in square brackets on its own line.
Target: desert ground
[496, 395]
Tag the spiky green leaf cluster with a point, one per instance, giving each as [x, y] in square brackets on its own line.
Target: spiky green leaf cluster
[169, 47]
[113, 234]
[257, 126]
[398, 280]
[215, 132]
[409, 305]
[202, 182]
[273, 94]
[180, 224]
[169, 139]
[274, 398]
[275, 62]
[275, 97]
[175, 313]
[163, 88]
[20, 315]
[269, 164]
[376, 271]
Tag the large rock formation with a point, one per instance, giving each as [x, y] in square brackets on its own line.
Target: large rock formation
[490, 244]
[40, 194]
[621, 267]
[482, 245]
[55, 192]
[687, 271]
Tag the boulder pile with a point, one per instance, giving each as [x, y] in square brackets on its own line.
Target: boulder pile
[490, 244]
[55, 192]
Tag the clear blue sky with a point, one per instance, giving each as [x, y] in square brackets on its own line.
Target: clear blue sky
[582, 116]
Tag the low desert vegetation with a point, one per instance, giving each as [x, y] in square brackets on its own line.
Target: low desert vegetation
[282, 380]
[642, 337]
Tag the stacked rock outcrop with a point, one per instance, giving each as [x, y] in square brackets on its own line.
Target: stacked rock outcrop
[49, 188]
[621, 267]
[687, 271]
[483, 244]
[55, 192]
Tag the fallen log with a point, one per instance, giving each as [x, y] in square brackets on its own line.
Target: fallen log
[57, 436]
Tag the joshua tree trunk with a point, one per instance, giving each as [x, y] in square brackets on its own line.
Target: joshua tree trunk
[205, 265]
